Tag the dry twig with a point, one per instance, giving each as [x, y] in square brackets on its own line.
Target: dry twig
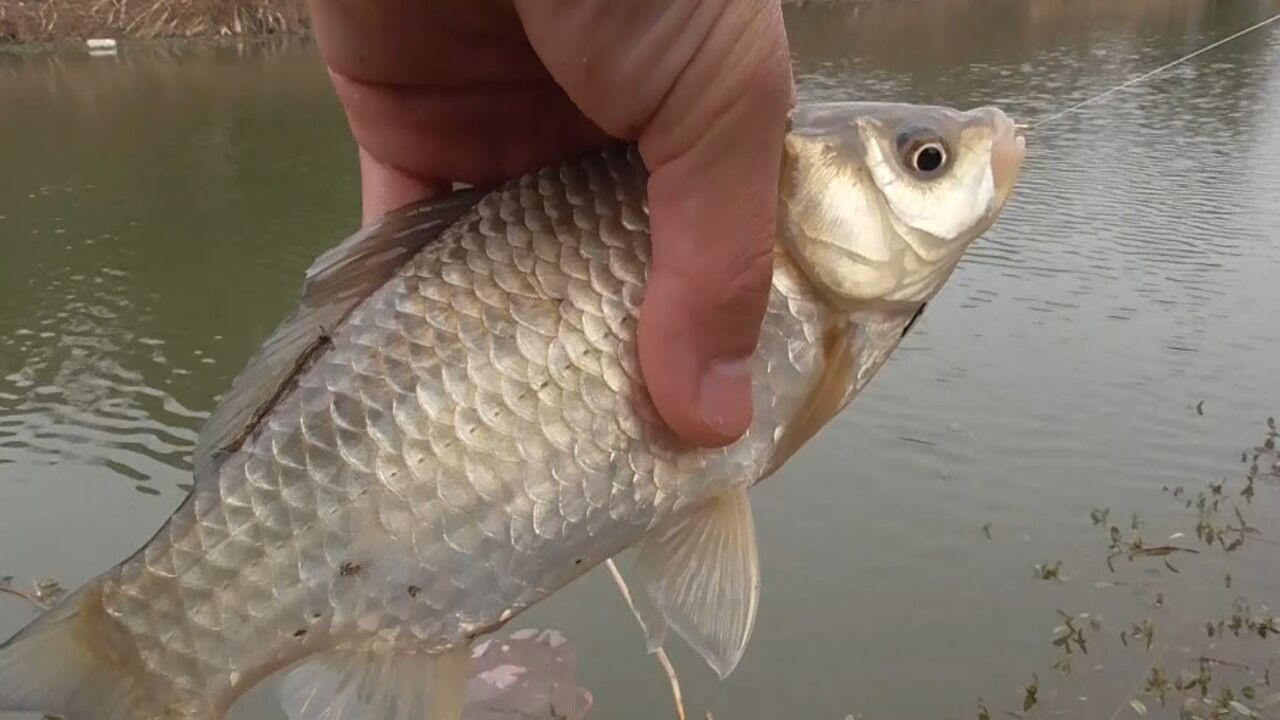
[663, 660]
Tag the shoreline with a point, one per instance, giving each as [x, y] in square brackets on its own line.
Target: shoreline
[125, 44]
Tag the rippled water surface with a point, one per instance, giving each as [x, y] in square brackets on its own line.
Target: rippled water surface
[1116, 333]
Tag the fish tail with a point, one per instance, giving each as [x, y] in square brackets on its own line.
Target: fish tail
[67, 662]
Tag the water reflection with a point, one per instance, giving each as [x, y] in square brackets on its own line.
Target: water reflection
[81, 391]
[151, 184]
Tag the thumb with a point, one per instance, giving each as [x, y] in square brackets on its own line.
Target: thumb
[715, 150]
[704, 87]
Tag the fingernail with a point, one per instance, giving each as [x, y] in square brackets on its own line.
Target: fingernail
[724, 396]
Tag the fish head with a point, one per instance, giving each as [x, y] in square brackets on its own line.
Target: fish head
[880, 200]
[877, 204]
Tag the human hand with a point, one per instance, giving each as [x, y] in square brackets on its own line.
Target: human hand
[478, 91]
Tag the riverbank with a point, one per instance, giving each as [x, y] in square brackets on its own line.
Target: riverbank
[36, 22]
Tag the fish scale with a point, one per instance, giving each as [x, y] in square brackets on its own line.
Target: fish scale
[396, 450]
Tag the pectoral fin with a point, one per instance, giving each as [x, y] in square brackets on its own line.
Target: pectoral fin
[702, 577]
[363, 684]
[824, 401]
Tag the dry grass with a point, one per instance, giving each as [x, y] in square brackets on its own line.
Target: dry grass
[35, 21]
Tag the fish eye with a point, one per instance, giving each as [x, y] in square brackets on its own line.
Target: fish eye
[929, 157]
[925, 154]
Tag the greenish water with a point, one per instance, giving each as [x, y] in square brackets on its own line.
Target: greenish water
[157, 209]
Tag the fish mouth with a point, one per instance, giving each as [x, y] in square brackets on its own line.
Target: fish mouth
[1007, 153]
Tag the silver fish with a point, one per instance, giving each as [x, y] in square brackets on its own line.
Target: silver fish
[452, 426]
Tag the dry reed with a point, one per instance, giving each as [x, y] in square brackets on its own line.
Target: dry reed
[37, 21]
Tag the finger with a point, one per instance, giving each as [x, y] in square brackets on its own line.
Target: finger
[475, 135]
[407, 42]
[704, 86]
[713, 206]
[712, 215]
[384, 188]
[442, 92]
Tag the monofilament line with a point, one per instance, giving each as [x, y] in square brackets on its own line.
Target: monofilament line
[1157, 71]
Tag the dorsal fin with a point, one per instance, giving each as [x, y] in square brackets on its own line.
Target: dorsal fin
[335, 283]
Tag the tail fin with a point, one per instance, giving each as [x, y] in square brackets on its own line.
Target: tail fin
[57, 664]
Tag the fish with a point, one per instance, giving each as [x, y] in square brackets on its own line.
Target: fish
[452, 425]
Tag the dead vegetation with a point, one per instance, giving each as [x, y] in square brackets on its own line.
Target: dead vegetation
[44, 21]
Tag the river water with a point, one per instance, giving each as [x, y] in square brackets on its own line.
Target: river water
[1115, 337]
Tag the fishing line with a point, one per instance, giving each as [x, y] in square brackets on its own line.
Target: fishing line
[1157, 71]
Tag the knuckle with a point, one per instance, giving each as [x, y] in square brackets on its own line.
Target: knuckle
[763, 60]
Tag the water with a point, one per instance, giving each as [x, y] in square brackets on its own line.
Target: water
[157, 209]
